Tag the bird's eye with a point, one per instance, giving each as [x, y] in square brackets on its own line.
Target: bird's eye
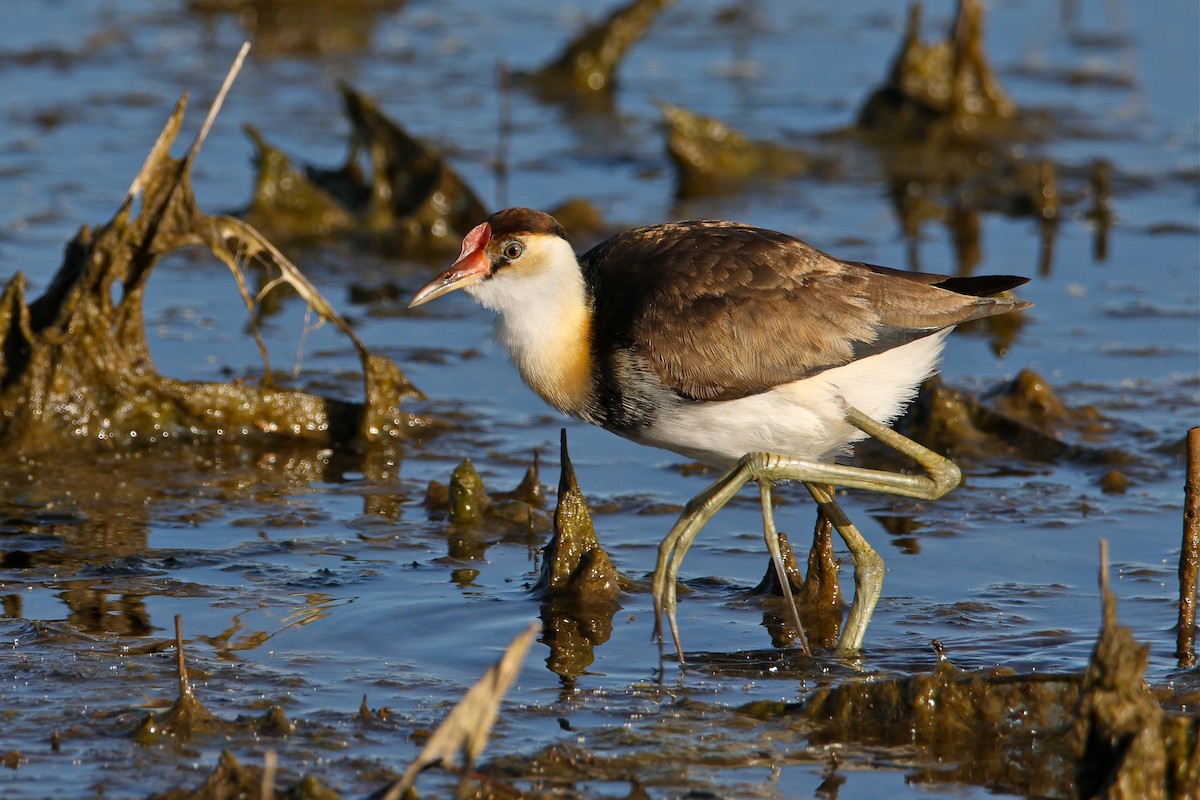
[513, 250]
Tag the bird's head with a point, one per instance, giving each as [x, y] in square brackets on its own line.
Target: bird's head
[507, 261]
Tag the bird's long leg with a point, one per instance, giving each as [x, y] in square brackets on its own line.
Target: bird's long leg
[772, 538]
[941, 475]
[698, 511]
[868, 570]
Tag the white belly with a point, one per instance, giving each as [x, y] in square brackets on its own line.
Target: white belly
[802, 419]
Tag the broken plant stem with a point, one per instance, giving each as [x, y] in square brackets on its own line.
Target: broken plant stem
[185, 686]
[162, 144]
[1104, 567]
[1189, 555]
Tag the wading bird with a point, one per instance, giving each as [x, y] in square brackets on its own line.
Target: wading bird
[740, 347]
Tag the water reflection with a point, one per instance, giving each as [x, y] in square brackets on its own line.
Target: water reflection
[904, 531]
[573, 632]
[82, 530]
[105, 611]
[316, 606]
[232, 639]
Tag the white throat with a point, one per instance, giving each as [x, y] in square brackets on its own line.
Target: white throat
[544, 320]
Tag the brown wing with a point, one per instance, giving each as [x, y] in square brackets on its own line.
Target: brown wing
[719, 310]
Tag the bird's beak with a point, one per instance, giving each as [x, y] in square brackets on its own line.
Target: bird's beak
[471, 267]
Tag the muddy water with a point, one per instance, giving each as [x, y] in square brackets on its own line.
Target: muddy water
[308, 579]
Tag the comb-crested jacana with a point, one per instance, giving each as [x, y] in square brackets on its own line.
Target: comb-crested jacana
[740, 347]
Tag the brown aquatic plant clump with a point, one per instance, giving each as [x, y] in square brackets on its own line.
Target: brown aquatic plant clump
[710, 157]
[394, 191]
[1130, 748]
[227, 779]
[304, 27]
[468, 498]
[187, 716]
[573, 562]
[465, 731]
[1016, 733]
[588, 65]
[980, 727]
[232, 779]
[579, 587]
[1024, 417]
[467, 503]
[75, 364]
[817, 593]
[938, 91]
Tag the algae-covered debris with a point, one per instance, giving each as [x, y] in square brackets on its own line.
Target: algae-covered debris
[816, 591]
[228, 779]
[583, 219]
[232, 779]
[1100, 734]
[992, 728]
[1128, 746]
[943, 90]
[477, 519]
[587, 66]
[579, 586]
[946, 133]
[286, 201]
[467, 496]
[187, 716]
[1031, 398]
[76, 366]
[468, 504]
[393, 190]
[465, 730]
[573, 562]
[943, 135]
[710, 157]
[1024, 417]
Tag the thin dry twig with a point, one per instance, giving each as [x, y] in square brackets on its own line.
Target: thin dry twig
[167, 136]
[254, 246]
[215, 109]
[270, 765]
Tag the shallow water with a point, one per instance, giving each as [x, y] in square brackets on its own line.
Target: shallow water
[309, 578]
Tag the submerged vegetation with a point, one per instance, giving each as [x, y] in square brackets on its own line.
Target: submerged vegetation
[77, 366]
